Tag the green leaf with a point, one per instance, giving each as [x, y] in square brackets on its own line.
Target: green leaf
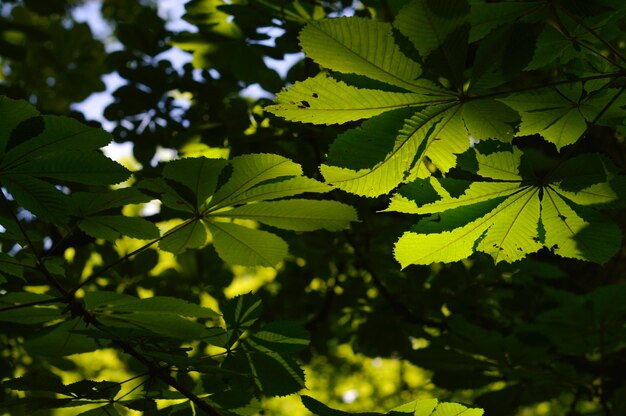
[61, 340]
[489, 119]
[281, 188]
[242, 311]
[455, 409]
[568, 234]
[320, 409]
[281, 336]
[112, 227]
[428, 23]
[106, 410]
[103, 297]
[487, 16]
[244, 246]
[87, 167]
[360, 46]
[554, 47]
[296, 214]
[583, 171]
[31, 315]
[13, 113]
[276, 374]
[477, 192]
[597, 194]
[417, 407]
[511, 240]
[42, 199]
[249, 171]
[22, 297]
[549, 113]
[9, 266]
[500, 165]
[192, 234]
[94, 390]
[200, 175]
[163, 324]
[508, 217]
[94, 202]
[240, 314]
[365, 146]
[38, 382]
[61, 134]
[323, 100]
[160, 189]
[163, 304]
[387, 174]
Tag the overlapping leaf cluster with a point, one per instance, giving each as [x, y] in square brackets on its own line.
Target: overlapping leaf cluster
[435, 81]
[512, 210]
[261, 362]
[52, 168]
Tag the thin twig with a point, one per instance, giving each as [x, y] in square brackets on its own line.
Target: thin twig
[164, 376]
[34, 303]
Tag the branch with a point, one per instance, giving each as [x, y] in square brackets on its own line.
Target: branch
[34, 303]
[154, 368]
[164, 376]
[595, 35]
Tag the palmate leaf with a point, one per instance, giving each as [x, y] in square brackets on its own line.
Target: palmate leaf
[240, 314]
[250, 183]
[392, 148]
[406, 131]
[560, 115]
[510, 216]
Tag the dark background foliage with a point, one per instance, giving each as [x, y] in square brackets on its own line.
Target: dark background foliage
[545, 335]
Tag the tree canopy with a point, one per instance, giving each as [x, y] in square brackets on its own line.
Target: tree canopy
[423, 215]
